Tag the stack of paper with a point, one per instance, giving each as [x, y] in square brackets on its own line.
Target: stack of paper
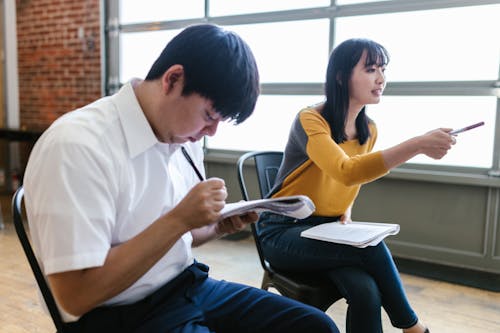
[297, 206]
[359, 234]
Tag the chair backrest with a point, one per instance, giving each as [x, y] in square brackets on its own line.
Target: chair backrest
[35, 267]
[267, 164]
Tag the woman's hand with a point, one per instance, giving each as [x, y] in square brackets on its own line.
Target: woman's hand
[436, 143]
[345, 219]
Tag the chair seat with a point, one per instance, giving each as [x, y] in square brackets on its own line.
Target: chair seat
[317, 291]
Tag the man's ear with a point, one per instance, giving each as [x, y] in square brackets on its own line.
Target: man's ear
[172, 77]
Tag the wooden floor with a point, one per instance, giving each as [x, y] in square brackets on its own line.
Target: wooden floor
[446, 308]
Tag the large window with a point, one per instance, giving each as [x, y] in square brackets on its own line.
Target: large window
[452, 44]
[447, 48]
[444, 69]
[133, 11]
[267, 128]
[401, 117]
[295, 51]
[235, 7]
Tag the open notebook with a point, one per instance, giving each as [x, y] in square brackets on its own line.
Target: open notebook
[297, 206]
[359, 234]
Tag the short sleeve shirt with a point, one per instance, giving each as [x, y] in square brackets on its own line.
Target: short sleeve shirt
[98, 177]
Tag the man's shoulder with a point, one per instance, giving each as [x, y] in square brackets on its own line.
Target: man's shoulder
[88, 132]
[94, 121]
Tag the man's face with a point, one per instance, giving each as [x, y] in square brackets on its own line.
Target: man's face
[181, 118]
[190, 118]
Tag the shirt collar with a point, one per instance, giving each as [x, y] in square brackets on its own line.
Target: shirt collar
[138, 133]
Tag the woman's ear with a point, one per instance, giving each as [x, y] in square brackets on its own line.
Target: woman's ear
[172, 77]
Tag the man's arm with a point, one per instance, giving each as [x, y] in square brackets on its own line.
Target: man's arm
[79, 291]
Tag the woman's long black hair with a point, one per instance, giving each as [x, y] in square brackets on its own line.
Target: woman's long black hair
[342, 61]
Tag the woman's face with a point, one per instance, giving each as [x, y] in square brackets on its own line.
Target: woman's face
[366, 84]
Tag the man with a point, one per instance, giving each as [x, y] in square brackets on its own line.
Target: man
[114, 204]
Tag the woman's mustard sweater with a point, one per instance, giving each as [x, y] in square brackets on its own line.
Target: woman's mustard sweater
[330, 174]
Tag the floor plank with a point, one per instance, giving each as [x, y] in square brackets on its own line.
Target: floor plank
[444, 307]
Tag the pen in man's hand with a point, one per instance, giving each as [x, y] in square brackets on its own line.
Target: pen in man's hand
[188, 158]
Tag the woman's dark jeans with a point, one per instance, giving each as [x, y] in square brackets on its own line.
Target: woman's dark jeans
[367, 277]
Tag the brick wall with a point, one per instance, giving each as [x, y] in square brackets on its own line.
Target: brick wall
[59, 58]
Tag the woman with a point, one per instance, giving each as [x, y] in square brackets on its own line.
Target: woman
[328, 157]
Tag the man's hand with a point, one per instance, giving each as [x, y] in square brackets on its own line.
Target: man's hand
[202, 205]
[223, 227]
[234, 224]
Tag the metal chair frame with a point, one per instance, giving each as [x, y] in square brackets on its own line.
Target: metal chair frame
[19, 224]
[316, 291]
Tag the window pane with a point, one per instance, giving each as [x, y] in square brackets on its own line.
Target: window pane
[350, 2]
[139, 50]
[267, 128]
[401, 117]
[234, 7]
[290, 51]
[435, 45]
[133, 11]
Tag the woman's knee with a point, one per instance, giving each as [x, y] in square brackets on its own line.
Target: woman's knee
[358, 287]
[365, 295]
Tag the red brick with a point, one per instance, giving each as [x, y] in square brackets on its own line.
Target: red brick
[55, 74]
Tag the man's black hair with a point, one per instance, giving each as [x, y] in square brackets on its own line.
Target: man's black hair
[218, 65]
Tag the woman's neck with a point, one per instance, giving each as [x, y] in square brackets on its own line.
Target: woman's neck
[350, 126]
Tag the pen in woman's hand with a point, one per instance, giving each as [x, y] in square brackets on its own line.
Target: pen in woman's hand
[188, 158]
[460, 130]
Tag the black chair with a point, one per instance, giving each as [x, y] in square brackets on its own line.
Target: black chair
[17, 213]
[307, 288]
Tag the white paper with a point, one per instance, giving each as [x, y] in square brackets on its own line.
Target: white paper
[359, 234]
[297, 206]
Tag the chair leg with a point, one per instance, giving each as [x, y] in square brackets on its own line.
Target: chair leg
[266, 281]
[1, 219]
